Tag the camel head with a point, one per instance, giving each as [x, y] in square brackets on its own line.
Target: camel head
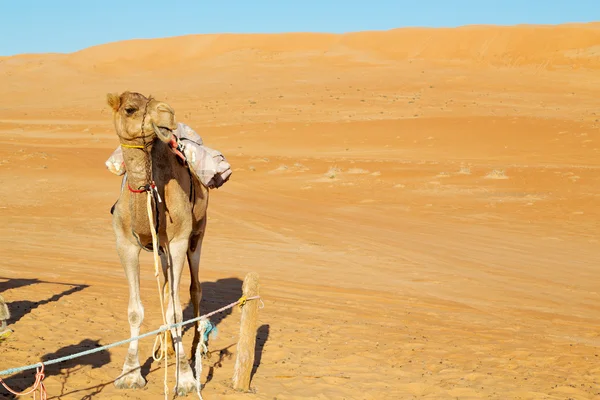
[132, 110]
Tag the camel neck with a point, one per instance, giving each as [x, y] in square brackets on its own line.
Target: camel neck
[138, 165]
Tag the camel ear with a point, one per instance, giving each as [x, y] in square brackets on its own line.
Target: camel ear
[114, 101]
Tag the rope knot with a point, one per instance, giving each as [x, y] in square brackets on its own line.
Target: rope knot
[39, 384]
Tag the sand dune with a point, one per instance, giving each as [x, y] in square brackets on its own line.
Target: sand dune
[421, 205]
[573, 45]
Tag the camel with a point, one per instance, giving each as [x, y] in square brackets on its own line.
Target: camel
[145, 128]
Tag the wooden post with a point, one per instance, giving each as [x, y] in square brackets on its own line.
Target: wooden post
[247, 341]
[4, 315]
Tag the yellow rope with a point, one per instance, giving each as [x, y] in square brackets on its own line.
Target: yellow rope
[242, 301]
[132, 146]
[5, 334]
[163, 336]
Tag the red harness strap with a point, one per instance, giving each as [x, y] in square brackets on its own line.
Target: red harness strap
[136, 191]
[147, 188]
[175, 147]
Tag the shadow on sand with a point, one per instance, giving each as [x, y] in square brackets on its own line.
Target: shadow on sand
[24, 380]
[215, 295]
[20, 308]
[262, 335]
[11, 283]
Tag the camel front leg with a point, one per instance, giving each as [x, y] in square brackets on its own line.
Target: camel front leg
[185, 382]
[131, 377]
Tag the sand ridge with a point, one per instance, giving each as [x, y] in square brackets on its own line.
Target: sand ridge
[419, 203]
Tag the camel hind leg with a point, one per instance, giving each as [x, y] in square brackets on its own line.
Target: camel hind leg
[193, 256]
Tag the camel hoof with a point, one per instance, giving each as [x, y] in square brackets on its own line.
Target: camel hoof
[132, 380]
[185, 386]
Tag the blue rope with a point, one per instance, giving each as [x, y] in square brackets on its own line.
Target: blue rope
[210, 329]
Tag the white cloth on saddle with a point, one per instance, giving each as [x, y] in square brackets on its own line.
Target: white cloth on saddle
[210, 165]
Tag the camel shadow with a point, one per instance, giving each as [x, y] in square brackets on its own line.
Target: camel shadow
[24, 380]
[214, 296]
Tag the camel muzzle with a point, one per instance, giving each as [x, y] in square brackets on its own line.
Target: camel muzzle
[163, 133]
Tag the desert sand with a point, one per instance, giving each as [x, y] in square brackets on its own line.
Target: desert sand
[421, 206]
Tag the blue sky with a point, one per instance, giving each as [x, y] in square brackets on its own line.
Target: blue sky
[40, 26]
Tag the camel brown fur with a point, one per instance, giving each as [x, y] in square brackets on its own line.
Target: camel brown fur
[143, 121]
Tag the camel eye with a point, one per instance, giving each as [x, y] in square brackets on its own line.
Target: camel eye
[130, 110]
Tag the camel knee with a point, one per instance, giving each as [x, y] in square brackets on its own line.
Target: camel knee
[136, 317]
